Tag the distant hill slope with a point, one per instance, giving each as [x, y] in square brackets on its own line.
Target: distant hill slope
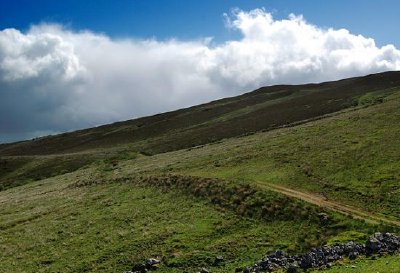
[263, 109]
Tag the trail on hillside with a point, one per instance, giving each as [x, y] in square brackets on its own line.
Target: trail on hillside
[322, 202]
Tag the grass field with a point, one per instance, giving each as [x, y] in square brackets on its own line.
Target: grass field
[54, 225]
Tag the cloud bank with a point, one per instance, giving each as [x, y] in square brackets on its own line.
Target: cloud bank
[53, 79]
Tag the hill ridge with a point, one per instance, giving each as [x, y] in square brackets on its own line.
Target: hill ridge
[265, 108]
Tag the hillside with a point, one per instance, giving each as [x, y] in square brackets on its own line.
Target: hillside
[263, 109]
[187, 193]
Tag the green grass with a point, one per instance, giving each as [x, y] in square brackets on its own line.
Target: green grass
[18, 171]
[386, 264]
[347, 236]
[54, 225]
[351, 158]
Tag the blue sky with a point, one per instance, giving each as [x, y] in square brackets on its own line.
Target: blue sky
[193, 19]
[66, 65]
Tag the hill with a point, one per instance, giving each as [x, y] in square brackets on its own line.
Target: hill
[263, 109]
[325, 177]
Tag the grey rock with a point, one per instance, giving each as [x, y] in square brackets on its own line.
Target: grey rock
[205, 270]
[353, 255]
[372, 245]
[152, 261]
[219, 260]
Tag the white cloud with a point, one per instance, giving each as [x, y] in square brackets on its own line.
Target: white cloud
[54, 79]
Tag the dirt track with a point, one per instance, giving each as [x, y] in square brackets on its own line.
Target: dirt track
[322, 202]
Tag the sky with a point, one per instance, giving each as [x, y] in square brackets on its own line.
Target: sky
[66, 65]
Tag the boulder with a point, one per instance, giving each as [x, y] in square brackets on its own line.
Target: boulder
[373, 245]
[139, 268]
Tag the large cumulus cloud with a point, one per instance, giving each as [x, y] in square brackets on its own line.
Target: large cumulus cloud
[53, 79]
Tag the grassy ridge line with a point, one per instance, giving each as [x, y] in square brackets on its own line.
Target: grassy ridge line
[259, 202]
[242, 198]
[323, 202]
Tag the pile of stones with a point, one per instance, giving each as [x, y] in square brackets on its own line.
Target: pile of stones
[321, 257]
[380, 243]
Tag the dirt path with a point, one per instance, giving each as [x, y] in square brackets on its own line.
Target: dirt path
[323, 202]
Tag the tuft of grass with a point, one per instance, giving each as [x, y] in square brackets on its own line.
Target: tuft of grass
[347, 236]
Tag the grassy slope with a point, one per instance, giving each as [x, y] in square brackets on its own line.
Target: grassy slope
[263, 109]
[352, 158]
[15, 171]
[54, 225]
[83, 221]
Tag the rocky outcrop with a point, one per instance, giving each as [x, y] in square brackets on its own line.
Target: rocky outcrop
[321, 257]
[324, 256]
